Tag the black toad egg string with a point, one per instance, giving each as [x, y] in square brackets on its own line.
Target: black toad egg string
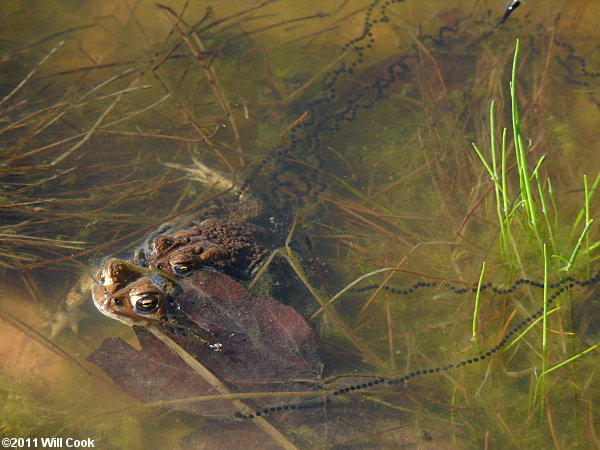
[576, 67]
[561, 287]
[486, 286]
[324, 117]
[376, 13]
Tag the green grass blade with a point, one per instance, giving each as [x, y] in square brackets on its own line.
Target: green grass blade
[545, 211]
[539, 392]
[526, 194]
[578, 246]
[588, 198]
[476, 309]
[572, 358]
[526, 330]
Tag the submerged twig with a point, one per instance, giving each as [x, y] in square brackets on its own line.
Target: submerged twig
[30, 74]
[41, 339]
[219, 386]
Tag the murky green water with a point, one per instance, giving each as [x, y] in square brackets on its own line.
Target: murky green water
[358, 119]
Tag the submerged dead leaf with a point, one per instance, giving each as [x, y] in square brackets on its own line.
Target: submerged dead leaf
[153, 373]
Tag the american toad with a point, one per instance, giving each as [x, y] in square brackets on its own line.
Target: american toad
[239, 337]
[126, 291]
[229, 247]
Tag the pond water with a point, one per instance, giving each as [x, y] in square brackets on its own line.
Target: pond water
[354, 121]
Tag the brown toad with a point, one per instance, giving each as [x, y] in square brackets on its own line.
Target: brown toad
[230, 247]
[226, 240]
[254, 338]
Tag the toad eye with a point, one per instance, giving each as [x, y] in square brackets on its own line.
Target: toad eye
[147, 303]
[183, 269]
